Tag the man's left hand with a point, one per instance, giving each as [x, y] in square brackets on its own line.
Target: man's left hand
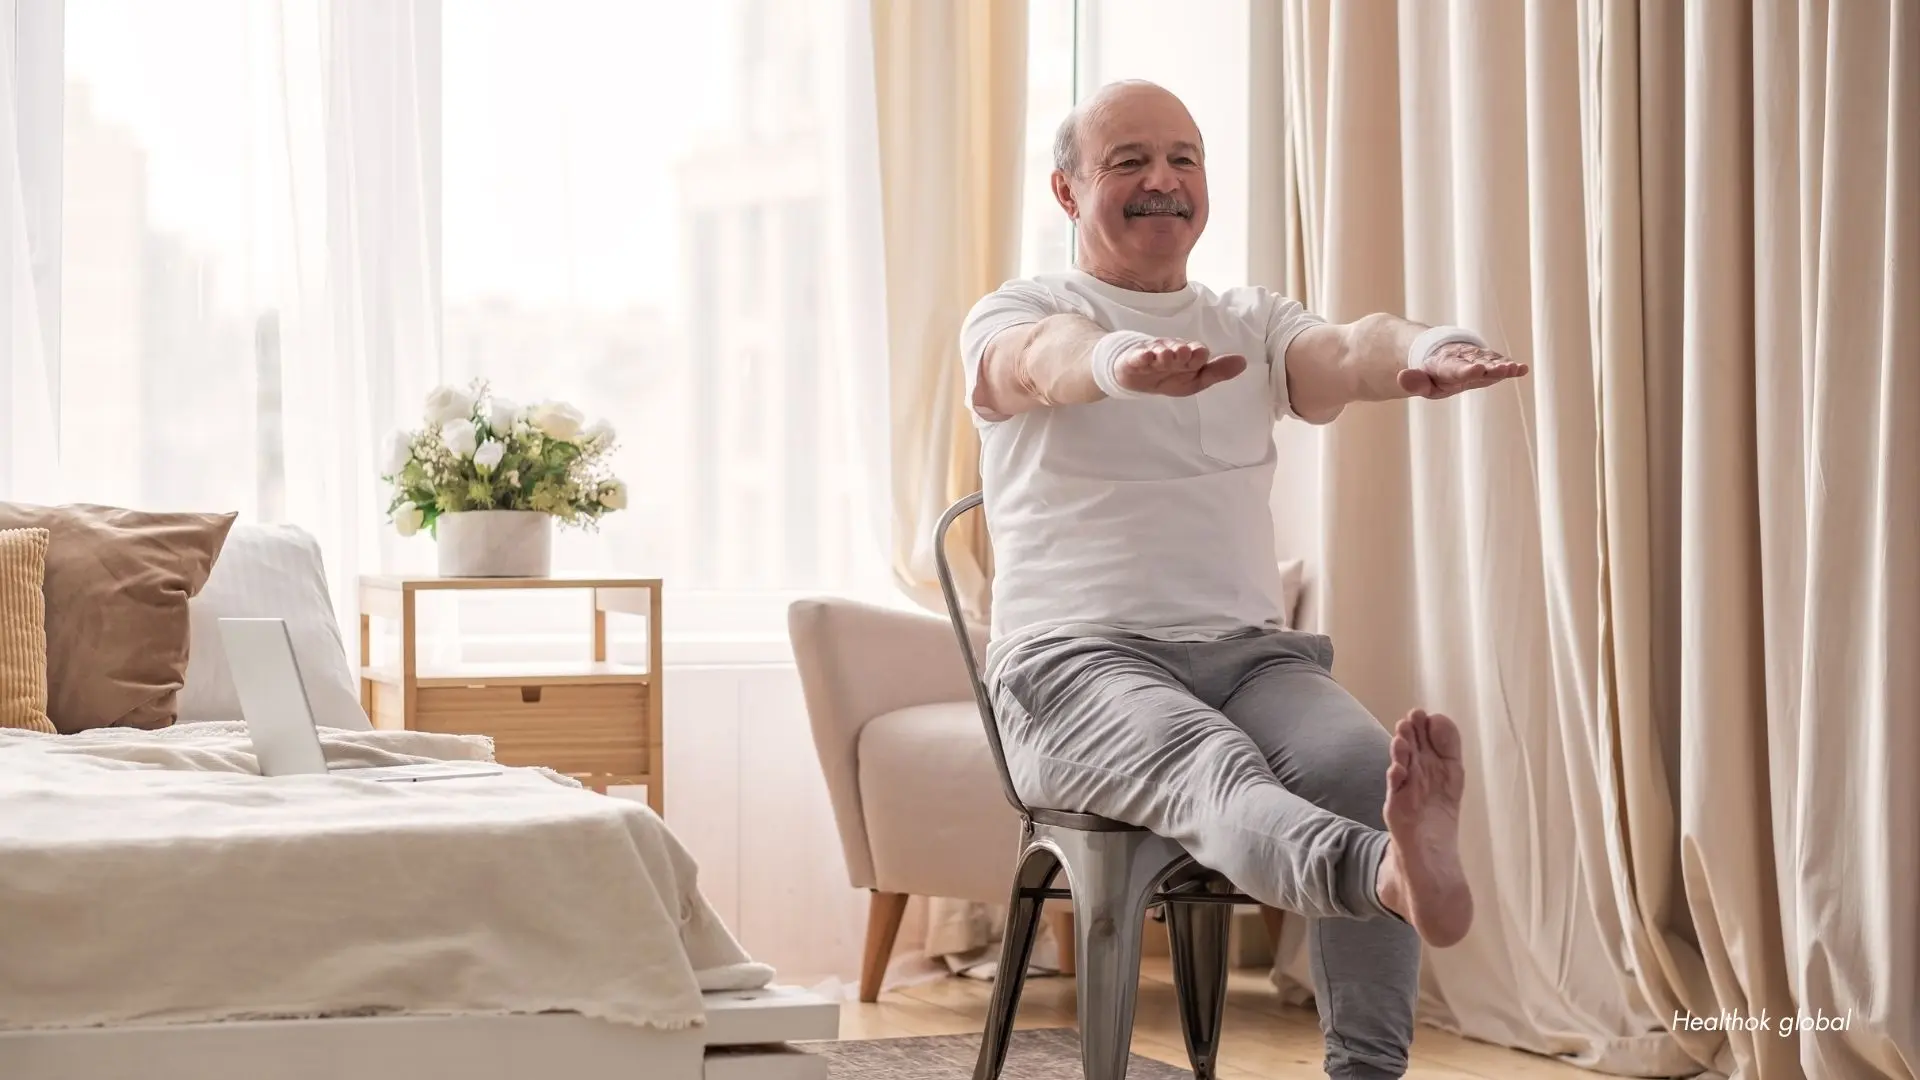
[1457, 367]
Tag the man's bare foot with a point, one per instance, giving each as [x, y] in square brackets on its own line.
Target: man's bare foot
[1421, 879]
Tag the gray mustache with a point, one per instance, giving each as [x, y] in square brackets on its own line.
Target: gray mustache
[1158, 204]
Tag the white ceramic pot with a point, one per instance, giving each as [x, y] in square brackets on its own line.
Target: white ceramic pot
[495, 543]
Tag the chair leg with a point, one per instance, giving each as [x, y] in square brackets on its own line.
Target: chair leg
[1037, 869]
[884, 910]
[1198, 936]
[1112, 876]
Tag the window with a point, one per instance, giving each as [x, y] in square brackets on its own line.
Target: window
[645, 235]
[1045, 233]
[648, 208]
[636, 210]
[168, 279]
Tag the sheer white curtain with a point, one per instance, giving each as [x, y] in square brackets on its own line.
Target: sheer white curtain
[241, 288]
[369, 349]
[220, 253]
[29, 238]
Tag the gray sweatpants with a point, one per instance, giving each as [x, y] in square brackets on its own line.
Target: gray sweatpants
[1246, 753]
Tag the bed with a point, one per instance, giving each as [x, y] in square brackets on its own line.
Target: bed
[169, 913]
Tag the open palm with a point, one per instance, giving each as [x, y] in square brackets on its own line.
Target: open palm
[1458, 367]
[1175, 368]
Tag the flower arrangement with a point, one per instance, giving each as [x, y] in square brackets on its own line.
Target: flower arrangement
[477, 451]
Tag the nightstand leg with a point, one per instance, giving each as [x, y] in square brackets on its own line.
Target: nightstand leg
[656, 708]
[409, 657]
[366, 661]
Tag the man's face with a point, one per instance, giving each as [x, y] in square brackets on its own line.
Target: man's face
[1140, 193]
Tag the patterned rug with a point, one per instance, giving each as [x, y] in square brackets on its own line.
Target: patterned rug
[1042, 1054]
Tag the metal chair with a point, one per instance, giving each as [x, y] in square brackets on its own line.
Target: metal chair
[1116, 873]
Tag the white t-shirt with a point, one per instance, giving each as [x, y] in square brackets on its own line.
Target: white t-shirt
[1145, 516]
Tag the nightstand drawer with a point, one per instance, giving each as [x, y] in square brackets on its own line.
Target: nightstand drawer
[581, 730]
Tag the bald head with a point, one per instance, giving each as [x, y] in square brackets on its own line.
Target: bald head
[1129, 169]
[1111, 98]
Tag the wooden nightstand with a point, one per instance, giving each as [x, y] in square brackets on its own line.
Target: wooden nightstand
[595, 720]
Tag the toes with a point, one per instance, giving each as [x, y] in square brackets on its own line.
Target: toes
[1422, 735]
[1403, 754]
[1396, 776]
[1445, 736]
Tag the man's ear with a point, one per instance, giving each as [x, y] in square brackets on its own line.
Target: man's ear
[1063, 194]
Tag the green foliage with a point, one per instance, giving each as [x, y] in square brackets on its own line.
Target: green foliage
[548, 461]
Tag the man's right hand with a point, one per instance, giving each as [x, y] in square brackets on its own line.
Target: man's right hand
[1175, 368]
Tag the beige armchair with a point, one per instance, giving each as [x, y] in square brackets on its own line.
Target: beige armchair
[915, 794]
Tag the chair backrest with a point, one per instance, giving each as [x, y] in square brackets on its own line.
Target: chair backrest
[954, 613]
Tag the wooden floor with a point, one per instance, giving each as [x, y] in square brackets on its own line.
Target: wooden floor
[1263, 1038]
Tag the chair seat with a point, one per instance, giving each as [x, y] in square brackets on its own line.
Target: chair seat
[1068, 819]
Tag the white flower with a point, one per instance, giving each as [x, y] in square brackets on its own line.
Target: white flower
[461, 437]
[489, 454]
[448, 403]
[557, 420]
[613, 495]
[597, 433]
[407, 519]
[399, 452]
[501, 416]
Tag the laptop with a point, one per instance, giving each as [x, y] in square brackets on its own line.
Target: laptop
[273, 698]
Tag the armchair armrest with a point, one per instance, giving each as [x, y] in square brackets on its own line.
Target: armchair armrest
[857, 661]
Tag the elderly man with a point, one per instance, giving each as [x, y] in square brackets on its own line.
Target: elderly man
[1140, 659]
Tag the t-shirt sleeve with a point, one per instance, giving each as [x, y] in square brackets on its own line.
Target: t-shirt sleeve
[1016, 303]
[1285, 320]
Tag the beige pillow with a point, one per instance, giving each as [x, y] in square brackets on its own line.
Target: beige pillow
[117, 585]
[23, 630]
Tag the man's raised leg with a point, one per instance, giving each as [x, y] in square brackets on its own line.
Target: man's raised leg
[1324, 746]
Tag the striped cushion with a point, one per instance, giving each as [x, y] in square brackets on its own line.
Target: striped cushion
[23, 630]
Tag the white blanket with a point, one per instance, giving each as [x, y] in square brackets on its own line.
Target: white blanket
[155, 877]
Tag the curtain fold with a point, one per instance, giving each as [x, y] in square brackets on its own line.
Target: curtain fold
[30, 161]
[950, 86]
[326, 332]
[367, 203]
[950, 83]
[1671, 582]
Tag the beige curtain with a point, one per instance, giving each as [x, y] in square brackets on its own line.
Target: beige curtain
[950, 82]
[950, 79]
[1671, 582]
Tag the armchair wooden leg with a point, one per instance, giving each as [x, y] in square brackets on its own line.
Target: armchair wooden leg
[1275, 919]
[1062, 923]
[884, 911]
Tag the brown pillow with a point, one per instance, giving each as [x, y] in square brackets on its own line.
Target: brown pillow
[117, 586]
[23, 630]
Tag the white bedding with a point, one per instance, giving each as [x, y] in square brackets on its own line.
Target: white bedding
[154, 877]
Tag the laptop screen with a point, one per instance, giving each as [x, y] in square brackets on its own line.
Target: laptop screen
[272, 696]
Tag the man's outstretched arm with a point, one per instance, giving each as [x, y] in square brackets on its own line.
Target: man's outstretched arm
[1071, 360]
[1382, 358]
[1039, 365]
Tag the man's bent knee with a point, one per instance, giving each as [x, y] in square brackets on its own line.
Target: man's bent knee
[1346, 773]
